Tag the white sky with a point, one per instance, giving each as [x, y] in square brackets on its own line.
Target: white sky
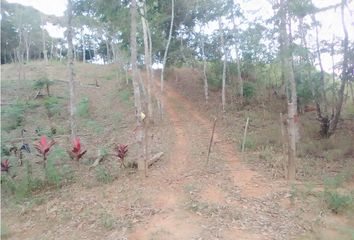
[331, 22]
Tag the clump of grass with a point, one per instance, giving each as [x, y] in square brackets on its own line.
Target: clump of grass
[103, 175]
[249, 144]
[12, 116]
[52, 105]
[57, 175]
[82, 109]
[338, 202]
[108, 221]
[125, 96]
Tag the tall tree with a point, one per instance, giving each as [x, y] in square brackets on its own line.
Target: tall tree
[292, 103]
[137, 101]
[147, 59]
[167, 45]
[344, 76]
[71, 71]
[223, 54]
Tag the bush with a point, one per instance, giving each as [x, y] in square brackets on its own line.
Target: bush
[337, 202]
[54, 175]
[12, 116]
[214, 75]
[52, 105]
[82, 108]
[248, 90]
[125, 96]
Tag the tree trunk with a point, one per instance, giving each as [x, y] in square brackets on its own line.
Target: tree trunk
[167, 46]
[344, 76]
[44, 49]
[223, 53]
[322, 82]
[292, 104]
[147, 63]
[239, 77]
[137, 102]
[52, 50]
[204, 67]
[71, 72]
[107, 51]
[83, 46]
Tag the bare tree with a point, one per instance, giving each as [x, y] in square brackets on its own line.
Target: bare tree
[292, 104]
[147, 59]
[344, 76]
[223, 53]
[204, 66]
[44, 49]
[167, 45]
[137, 99]
[71, 71]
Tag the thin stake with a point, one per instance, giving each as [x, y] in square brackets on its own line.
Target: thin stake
[211, 140]
[245, 135]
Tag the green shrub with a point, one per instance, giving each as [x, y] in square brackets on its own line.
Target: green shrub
[54, 175]
[82, 108]
[125, 96]
[249, 144]
[42, 83]
[337, 202]
[108, 221]
[12, 116]
[214, 74]
[52, 105]
[248, 90]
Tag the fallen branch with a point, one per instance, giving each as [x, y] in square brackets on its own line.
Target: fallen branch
[97, 161]
[154, 159]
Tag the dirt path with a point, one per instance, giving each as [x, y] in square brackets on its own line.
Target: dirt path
[182, 198]
[225, 200]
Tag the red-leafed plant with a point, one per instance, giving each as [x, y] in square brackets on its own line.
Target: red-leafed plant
[121, 152]
[5, 165]
[43, 147]
[77, 152]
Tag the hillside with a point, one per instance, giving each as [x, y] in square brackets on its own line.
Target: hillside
[234, 195]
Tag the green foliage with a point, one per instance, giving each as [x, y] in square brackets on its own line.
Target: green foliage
[103, 174]
[249, 143]
[52, 105]
[12, 116]
[248, 90]
[125, 96]
[103, 152]
[337, 202]
[56, 175]
[41, 83]
[108, 221]
[82, 108]
[214, 72]
[23, 187]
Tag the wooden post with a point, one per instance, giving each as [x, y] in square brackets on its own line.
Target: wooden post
[211, 140]
[244, 135]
